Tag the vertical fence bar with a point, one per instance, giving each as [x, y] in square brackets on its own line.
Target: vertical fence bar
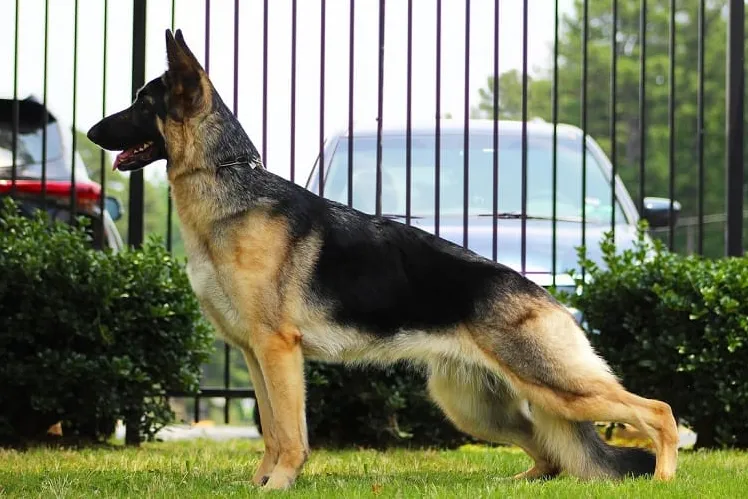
[613, 114]
[226, 348]
[466, 132]
[642, 99]
[293, 91]
[102, 156]
[74, 146]
[408, 114]
[671, 125]
[196, 414]
[523, 236]
[16, 111]
[734, 133]
[322, 17]
[554, 154]
[44, 102]
[265, 84]
[135, 215]
[207, 36]
[700, 123]
[235, 108]
[235, 100]
[380, 98]
[352, 16]
[585, 40]
[437, 131]
[495, 186]
[136, 201]
[169, 204]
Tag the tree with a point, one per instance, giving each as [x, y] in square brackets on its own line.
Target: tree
[598, 98]
[510, 97]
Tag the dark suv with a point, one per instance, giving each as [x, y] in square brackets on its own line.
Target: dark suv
[53, 194]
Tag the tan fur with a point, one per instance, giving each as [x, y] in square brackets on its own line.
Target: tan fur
[272, 448]
[251, 282]
[592, 393]
[470, 403]
[236, 271]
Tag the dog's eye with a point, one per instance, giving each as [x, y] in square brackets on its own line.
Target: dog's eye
[144, 105]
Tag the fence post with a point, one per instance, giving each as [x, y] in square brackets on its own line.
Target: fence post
[734, 128]
[135, 215]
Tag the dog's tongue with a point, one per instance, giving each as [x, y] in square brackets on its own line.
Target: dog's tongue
[121, 157]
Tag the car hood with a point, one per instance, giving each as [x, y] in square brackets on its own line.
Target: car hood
[539, 243]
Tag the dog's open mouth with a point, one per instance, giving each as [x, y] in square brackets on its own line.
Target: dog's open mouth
[136, 157]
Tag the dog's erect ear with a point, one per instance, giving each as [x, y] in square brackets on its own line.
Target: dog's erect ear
[178, 53]
[185, 90]
[183, 45]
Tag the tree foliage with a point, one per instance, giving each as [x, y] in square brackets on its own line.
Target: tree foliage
[628, 125]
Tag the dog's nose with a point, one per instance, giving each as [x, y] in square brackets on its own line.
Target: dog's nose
[93, 133]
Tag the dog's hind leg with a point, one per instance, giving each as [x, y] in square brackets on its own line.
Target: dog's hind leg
[482, 405]
[547, 358]
[270, 456]
[282, 363]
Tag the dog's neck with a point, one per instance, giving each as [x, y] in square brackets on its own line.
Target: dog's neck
[240, 161]
[204, 194]
[211, 161]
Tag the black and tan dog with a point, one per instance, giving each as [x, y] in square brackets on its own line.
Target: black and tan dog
[285, 275]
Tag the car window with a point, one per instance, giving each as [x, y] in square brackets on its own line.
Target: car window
[29, 145]
[30, 139]
[597, 202]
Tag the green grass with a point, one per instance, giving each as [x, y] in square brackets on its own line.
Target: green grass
[223, 469]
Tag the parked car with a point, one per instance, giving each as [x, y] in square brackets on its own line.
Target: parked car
[28, 188]
[539, 222]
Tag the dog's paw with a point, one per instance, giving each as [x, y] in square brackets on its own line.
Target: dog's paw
[538, 473]
[278, 481]
[260, 478]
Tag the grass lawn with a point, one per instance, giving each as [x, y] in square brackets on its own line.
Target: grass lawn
[222, 469]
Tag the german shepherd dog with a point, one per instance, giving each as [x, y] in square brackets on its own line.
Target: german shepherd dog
[285, 275]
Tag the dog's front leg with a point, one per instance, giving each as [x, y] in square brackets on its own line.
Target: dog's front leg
[270, 456]
[282, 363]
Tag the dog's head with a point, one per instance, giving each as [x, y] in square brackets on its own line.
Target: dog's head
[181, 94]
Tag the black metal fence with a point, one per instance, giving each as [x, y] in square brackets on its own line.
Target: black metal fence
[653, 89]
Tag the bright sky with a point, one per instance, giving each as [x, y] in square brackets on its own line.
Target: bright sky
[190, 18]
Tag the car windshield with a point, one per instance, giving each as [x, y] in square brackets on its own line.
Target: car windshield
[597, 198]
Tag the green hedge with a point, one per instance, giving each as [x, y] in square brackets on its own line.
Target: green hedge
[675, 328]
[88, 337]
[370, 407]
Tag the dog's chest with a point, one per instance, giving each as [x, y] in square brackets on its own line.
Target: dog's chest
[210, 289]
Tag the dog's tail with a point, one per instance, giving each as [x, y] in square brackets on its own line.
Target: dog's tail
[577, 448]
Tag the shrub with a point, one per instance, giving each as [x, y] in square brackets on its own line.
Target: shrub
[89, 337]
[675, 328]
[369, 407]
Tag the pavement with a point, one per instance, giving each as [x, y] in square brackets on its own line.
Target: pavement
[209, 430]
[203, 429]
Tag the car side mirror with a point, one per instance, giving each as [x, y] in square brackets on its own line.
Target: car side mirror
[657, 211]
[114, 207]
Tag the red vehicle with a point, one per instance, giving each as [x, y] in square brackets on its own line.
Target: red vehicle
[46, 182]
